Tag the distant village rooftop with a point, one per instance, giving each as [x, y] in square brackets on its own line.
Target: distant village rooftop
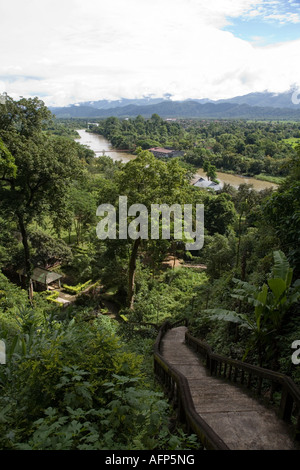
[161, 150]
[165, 152]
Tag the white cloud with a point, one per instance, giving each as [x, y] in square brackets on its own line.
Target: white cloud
[283, 19]
[72, 51]
[275, 11]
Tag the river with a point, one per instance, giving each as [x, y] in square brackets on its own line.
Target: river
[100, 145]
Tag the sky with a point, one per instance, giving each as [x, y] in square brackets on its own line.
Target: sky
[70, 51]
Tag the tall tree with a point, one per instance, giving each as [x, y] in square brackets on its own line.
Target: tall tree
[35, 180]
[210, 171]
[147, 180]
[282, 211]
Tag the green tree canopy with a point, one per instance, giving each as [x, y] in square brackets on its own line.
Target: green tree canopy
[147, 180]
[37, 169]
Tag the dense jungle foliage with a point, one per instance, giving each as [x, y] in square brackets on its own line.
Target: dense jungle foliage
[80, 376]
[249, 148]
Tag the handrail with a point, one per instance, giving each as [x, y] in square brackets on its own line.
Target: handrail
[179, 392]
[253, 377]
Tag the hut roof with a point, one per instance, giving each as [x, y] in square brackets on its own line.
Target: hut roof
[43, 276]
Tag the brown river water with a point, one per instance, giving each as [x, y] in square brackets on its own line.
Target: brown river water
[100, 145]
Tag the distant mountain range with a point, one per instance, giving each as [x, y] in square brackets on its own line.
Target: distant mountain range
[264, 105]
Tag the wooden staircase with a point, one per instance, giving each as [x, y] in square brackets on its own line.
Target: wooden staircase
[214, 404]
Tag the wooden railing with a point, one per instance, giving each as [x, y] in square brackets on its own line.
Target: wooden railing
[261, 381]
[178, 391]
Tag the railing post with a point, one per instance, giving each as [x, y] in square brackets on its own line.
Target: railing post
[259, 386]
[249, 380]
[286, 405]
[180, 410]
[230, 370]
[208, 361]
[297, 430]
[212, 366]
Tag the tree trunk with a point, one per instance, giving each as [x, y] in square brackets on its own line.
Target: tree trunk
[132, 268]
[239, 242]
[243, 266]
[28, 266]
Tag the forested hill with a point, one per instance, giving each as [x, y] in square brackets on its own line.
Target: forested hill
[183, 109]
[80, 307]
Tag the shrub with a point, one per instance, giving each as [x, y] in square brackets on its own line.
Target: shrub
[76, 289]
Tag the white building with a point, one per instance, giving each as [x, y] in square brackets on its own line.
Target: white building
[206, 184]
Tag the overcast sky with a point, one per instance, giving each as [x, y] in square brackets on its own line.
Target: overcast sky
[68, 51]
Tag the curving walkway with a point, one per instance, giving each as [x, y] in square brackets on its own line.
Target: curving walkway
[238, 419]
